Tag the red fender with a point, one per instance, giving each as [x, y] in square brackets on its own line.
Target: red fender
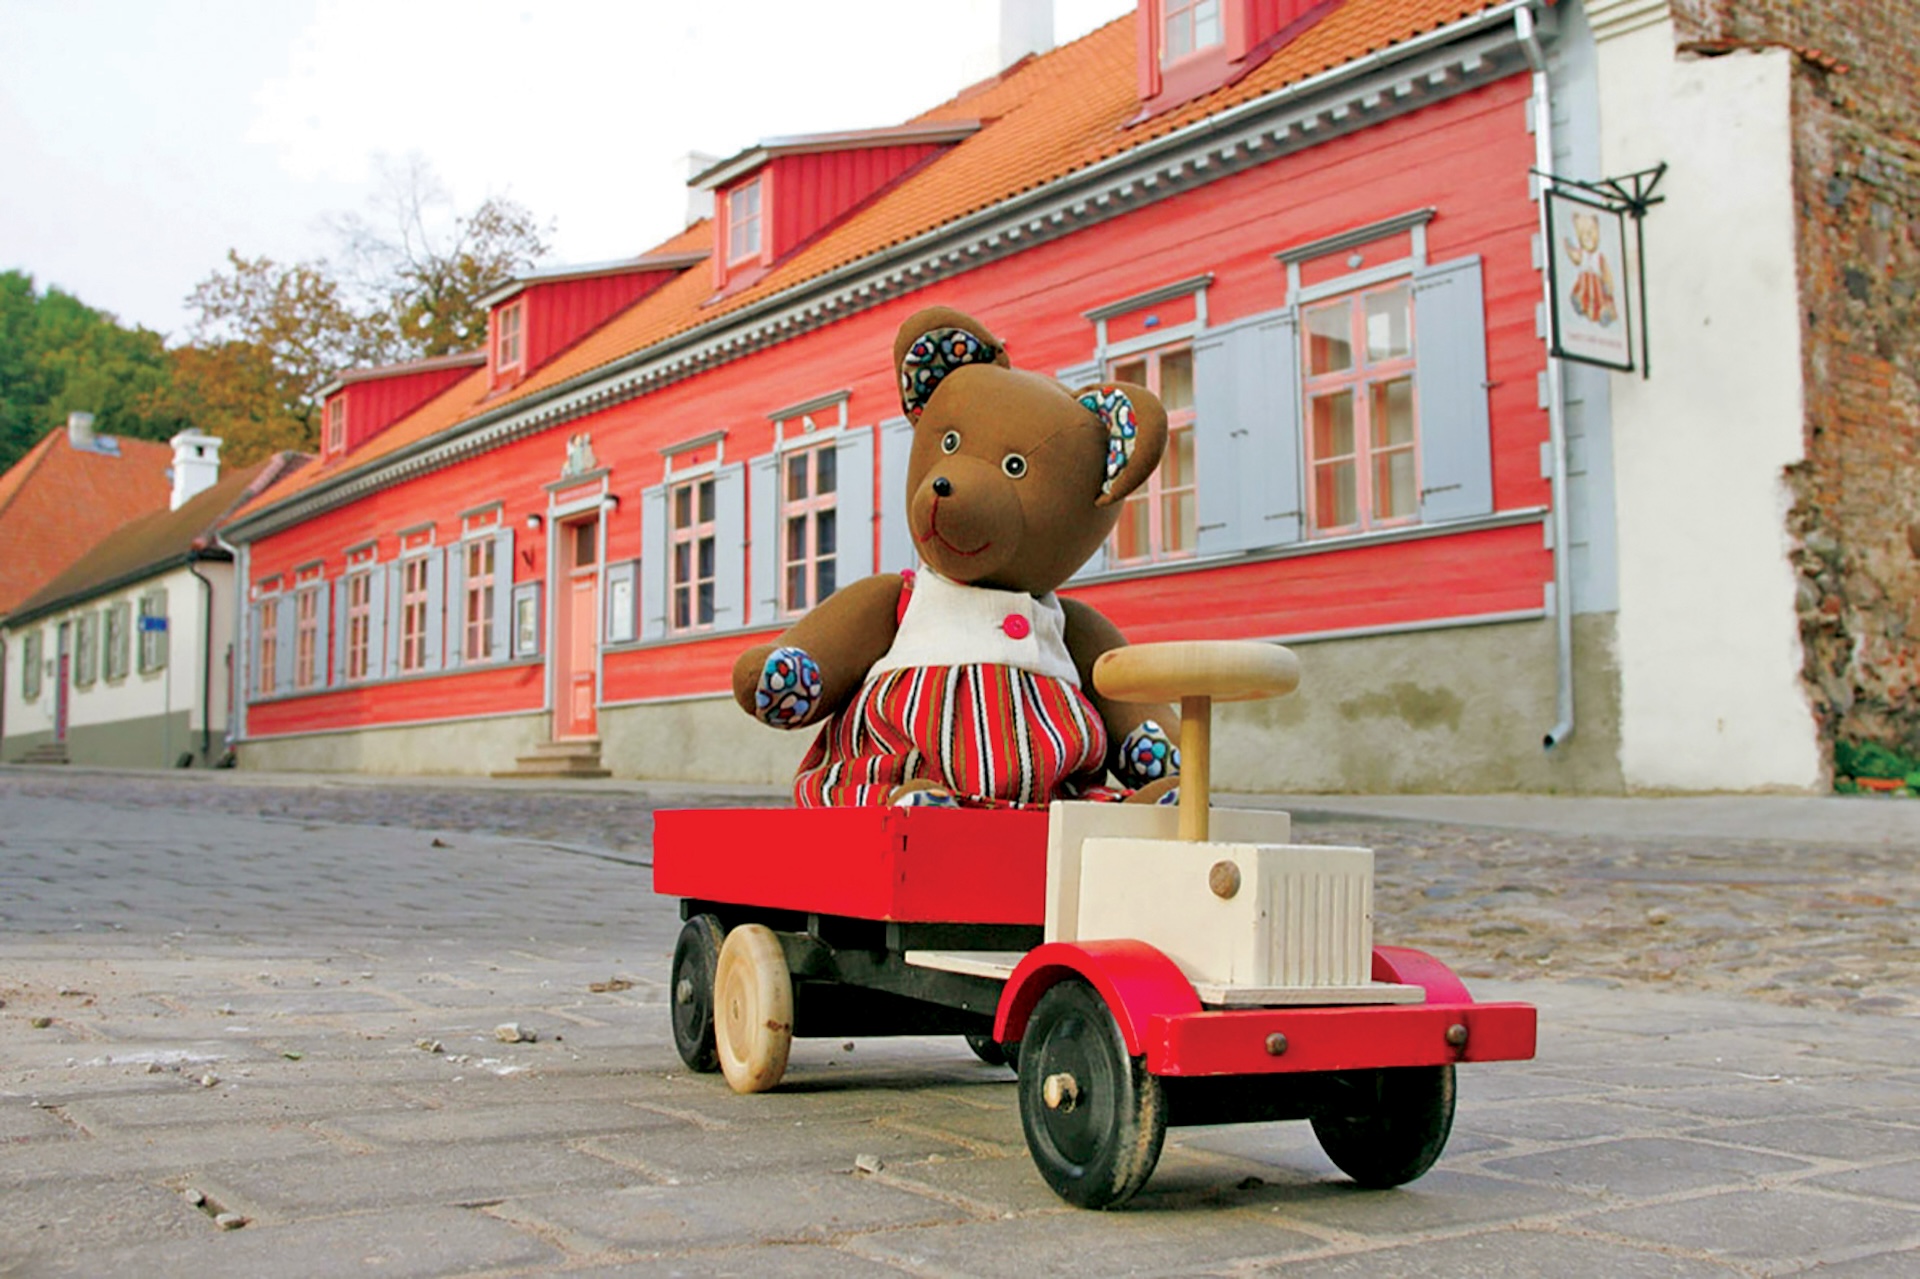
[1136, 981]
[1408, 967]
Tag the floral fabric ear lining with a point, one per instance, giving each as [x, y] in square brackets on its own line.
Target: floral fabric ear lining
[933, 355]
[1111, 405]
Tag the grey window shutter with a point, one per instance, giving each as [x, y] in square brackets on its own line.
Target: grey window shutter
[161, 639]
[377, 582]
[854, 514]
[396, 616]
[763, 556]
[1247, 447]
[254, 636]
[1450, 391]
[340, 630]
[436, 623]
[653, 562]
[730, 547]
[1079, 375]
[502, 635]
[896, 536]
[454, 646]
[287, 623]
[322, 609]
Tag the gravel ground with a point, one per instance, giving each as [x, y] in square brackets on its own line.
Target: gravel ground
[1817, 926]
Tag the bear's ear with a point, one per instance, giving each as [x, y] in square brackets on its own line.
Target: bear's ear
[1136, 427]
[933, 343]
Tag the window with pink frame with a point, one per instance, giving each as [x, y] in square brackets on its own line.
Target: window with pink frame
[1157, 520]
[478, 609]
[691, 556]
[1362, 437]
[809, 544]
[306, 633]
[413, 613]
[269, 645]
[359, 623]
[507, 349]
[743, 222]
[337, 425]
[1187, 26]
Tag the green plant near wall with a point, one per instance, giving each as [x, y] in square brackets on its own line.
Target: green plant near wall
[1869, 766]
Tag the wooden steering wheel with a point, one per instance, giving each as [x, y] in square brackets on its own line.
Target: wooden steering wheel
[1196, 673]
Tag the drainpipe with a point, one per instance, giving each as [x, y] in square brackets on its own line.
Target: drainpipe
[1523, 26]
[237, 667]
[206, 662]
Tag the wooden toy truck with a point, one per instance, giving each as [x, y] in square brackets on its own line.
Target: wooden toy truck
[1140, 966]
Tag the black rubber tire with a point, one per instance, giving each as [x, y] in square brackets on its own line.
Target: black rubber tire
[690, 987]
[993, 1052]
[1098, 1149]
[1384, 1128]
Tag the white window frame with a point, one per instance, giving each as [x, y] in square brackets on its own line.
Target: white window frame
[1358, 381]
[1190, 15]
[510, 336]
[152, 644]
[366, 577]
[1156, 494]
[745, 226]
[692, 535]
[476, 634]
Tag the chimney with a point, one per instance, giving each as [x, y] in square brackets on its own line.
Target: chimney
[80, 431]
[196, 465]
[1026, 26]
[699, 199]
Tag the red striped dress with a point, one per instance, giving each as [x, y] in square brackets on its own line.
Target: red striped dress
[994, 733]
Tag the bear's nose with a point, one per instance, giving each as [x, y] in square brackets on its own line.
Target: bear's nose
[942, 487]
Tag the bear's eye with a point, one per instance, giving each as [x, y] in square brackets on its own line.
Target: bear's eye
[1013, 464]
[950, 442]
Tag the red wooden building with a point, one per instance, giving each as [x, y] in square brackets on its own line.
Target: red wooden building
[1309, 226]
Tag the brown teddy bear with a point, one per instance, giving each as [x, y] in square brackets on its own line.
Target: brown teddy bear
[969, 682]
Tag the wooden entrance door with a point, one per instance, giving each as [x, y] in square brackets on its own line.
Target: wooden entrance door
[579, 638]
[64, 682]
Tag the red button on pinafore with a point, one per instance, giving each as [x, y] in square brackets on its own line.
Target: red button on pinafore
[1016, 626]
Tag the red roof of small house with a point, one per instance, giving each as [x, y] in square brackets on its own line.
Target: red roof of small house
[163, 539]
[1043, 118]
[58, 502]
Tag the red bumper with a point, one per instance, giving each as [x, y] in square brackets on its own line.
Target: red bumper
[1243, 1041]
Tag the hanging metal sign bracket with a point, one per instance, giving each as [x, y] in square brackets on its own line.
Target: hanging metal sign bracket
[1632, 194]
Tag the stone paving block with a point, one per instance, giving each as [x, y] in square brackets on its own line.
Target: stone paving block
[1441, 1200]
[784, 1208]
[20, 1120]
[1626, 1077]
[670, 1149]
[1562, 1120]
[1068, 1241]
[1484, 1083]
[291, 1189]
[789, 1261]
[415, 1244]
[1752, 1101]
[1292, 1145]
[182, 1103]
[1902, 1263]
[159, 1152]
[1638, 1167]
[1775, 1225]
[997, 1186]
[1523, 1254]
[99, 1212]
[482, 1122]
[1899, 1181]
[1829, 1137]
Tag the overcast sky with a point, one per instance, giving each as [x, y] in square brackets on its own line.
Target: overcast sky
[141, 139]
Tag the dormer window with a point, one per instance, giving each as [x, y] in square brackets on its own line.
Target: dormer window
[743, 222]
[1188, 26]
[507, 341]
[337, 426]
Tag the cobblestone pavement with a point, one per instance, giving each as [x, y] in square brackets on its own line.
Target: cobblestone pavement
[230, 996]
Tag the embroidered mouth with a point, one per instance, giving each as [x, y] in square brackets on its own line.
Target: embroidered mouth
[933, 535]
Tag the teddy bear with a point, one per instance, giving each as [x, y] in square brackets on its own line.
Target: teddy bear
[968, 682]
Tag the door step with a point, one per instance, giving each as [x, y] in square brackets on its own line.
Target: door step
[577, 759]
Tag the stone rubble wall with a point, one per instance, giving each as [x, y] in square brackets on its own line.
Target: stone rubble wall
[1856, 517]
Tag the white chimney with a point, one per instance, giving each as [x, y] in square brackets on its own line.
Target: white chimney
[196, 465]
[80, 430]
[1026, 26]
[699, 200]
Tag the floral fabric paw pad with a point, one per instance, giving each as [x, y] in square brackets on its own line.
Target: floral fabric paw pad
[789, 688]
[1147, 755]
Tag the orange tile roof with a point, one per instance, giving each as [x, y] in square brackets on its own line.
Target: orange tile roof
[1044, 118]
[58, 502]
[144, 546]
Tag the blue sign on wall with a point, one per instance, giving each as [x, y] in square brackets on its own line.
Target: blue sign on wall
[153, 623]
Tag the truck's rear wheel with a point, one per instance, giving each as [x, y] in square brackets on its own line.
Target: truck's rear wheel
[1385, 1127]
[753, 1009]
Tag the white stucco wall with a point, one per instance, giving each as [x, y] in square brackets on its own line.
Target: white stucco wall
[1708, 641]
[141, 694]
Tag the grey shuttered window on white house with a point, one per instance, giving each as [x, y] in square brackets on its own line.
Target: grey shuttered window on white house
[502, 622]
[286, 639]
[1247, 446]
[896, 534]
[763, 555]
[653, 562]
[1450, 391]
[341, 630]
[853, 520]
[1073, 378]
[435, 624]
[730, 547]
